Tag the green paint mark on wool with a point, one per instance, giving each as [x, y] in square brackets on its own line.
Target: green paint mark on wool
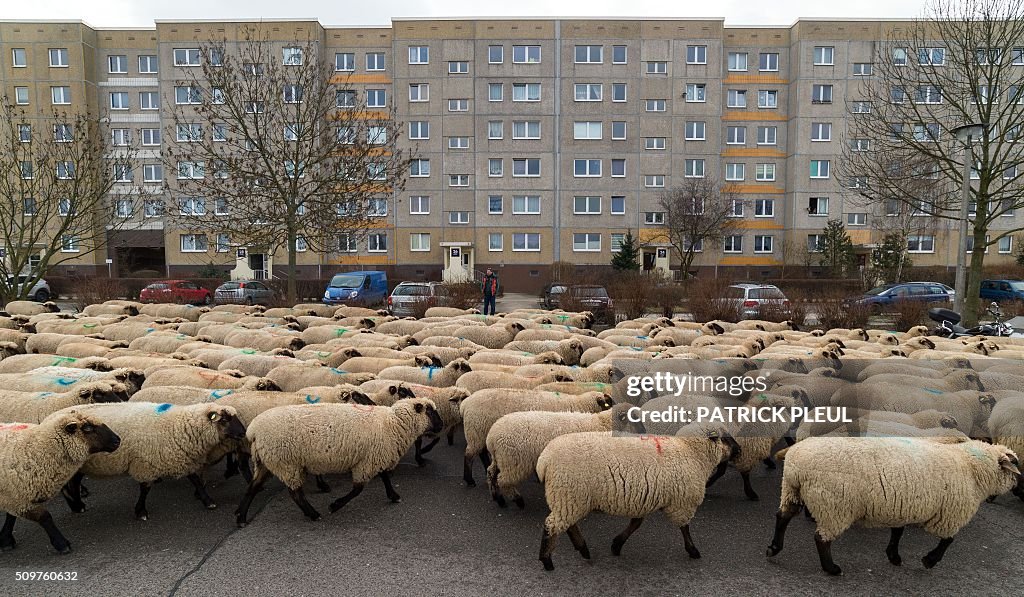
[61, 360]
[339, 332]
[248, 351]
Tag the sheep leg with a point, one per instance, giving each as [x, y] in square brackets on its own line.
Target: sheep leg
[451, 436]
[485, 458]
[242, 512]
[934, 556]
[578, 542]
[620, 539]
[321, 484]
[339, 503]
[782, 518]
[42, 517]
[892, 551]
[825, 555]
[72, 492]
[299, 497]
[691, 549]
[1018, 490]
[719, 471]
[244, 467]
[140, 504]
[201, 493]
[385, 476]
[7, 541]
[467, 471]
[230, 466]
[770, 463]
[747, 488]
[429, 446]
[547, 547]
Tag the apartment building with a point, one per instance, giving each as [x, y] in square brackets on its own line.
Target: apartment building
[537, 140]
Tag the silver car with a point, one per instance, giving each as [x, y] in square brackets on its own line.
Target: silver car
[243, 292]
[40, 291]
[406, 298]
[750, 298]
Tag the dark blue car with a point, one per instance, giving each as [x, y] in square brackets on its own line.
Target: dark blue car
[1002, 290]
[926, 292]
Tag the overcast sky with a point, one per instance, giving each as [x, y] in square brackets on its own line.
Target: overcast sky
[128, 13]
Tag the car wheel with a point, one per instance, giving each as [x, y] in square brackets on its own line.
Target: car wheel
[207, 299]
[876, 309]
[248, 301]
[42, 295]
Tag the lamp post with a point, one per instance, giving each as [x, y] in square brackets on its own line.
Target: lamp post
[966, 134]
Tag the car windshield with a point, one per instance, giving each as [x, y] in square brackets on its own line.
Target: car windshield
[156, 287]
[766, 293]
[877, 291]
[1017, 285]
[229, 286]
[592, 292]
[734, 292]
[346, 281]
[412, 290]
[557, 289]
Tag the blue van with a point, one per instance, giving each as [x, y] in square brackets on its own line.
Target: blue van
[357, 288]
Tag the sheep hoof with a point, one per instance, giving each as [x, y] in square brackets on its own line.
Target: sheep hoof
[753, 496]
[833, 570]
[501, 500]
[773, 550]
[617, 547]
[894, 558]
[929, 562]
[421, 461]
[63, 549]
[548, 565]
[770, 464]
[8, 543]
[83, 491]
[470, 482]
[519, 501]
[693, 553]
[584, 552]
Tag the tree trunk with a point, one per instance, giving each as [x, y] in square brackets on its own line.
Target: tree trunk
[974, 275]
[291, 266]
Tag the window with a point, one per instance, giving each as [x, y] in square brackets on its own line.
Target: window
[419, 205]
[696, 54]
[495, 167]
[495, 54]
[768, 61]
[377, 207]
[18, 58]
[656, 67]
[764, 208]
[696, 92]
[1016, 94]
[738, 61]
[224, 243]
[695, 130]
[457, 105]
[377, 242]
[932, 56]
[149, 100]
[654, 143]
[586, 167]
[768, 98]
[763, 243]
[589, 54]
[345, 61]
[817, 206]
[526, 129]
[655, 105]
[587, 129]
[119, 100]
[857, 182]
[60, 95]
[617, 238]
[59, 57]
[496, 129]
[823, 55]
[420, 129]
[189, 132]
[419, 241]
[376, 98]
[118, 137]
[655, 181]
[618, 206]
[26, 170]
[21, 95]
[526, 204]
[1005, 244]
[586, 241]
[458, 180]
[736, 135]
[526, 167]
[192, 206]
[65, 170]
[117, 64]
[926, 132]
[618, 167]
[987, 56]
[458, 142]
[525, 241]
[735, 172]
[861, 108]
[586, 205]
[821, 94]
[860, 144]
[458, 67]
[495, 241]
[765, 172]
[419, 54]
[376, 171]
[291, 131]
[526, 92]
[588, 92]
[345, 99]
[525, 54]
[123, 208]
[152, 208]
[151, 137]
[495, 92]
[654, 218]
[928, 94]
[152, 173]
[856, 219]
[375, 61]
[347, 243]
[69, 243]
[419, 168]
[186, 57]
[495, 204]
[193, 243]
[819, 168]
[618, 130]
[694, 168]
[618, 54]
[732, 244]
[191, 169]
[618, 92]
[63, 133]
[292, 94]
[736, 98]
[25, 133]
[899, 56]
[987, 93]
[862, 69]
[458, 217]
[186, 94]
[924, 243]
[65, 208]
[1017, 56]
[821, 131]
[28, 206]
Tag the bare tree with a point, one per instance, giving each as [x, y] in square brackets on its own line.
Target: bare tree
[892, 224]
[698, 214]
[288, 154]
[958, 64]
[56, 205]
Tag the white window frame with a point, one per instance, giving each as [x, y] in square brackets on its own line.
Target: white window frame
[526, 54]
[458, 218]
[818, 93]
[526, 244]
[458, 180]
[764, 172]
[592, 54]
[857, 219]
[458, 105]
[419, 130]
[151, 137]
[816, 166]
[495, 167]
[863, 69]
[768, 62]
[737, 62]
[625, 54]
[344, 61]
[655, 143]
[588, 244]
[495, 247]
[654, 181]
[736, 98]
[821, 131]
[703, 130]
[419, 92]
[824, 55]
[60, 95]
[732, 243]
[19, 58]
[194, 243]
[458, 67]
[656, 67]
[125, 105]
[655, 105]
[526, 205]
[186, 56]
[820, 207]
[495, 54]
[654, 218]
[377, 242]
[767, 242]
[522, 92]
[768, 99]
[591, 130]
[419, 205]
[59, 58]
[496, 129]
[376, 61]
[591, 168]
[617, 134]
[69, 243]
[591, 205]
[380, 98]
[735, 135]
[764, 208]
[693, 168]
[592, 92]
[419, 168]
[524, 165]
[611, 205]
[490, 204]
[526, 125]
[696, 54]
[419, 54]
[735, 171]
[458, 143]
[149, 100]
[920, 240]
[21, 96]
[419, 242]
[152, 173]
[117, 64]
[615, 92]
[696, 93]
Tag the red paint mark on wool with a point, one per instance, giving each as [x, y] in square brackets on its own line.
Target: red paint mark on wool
[13, 426]
[365, 407]
[657, 439]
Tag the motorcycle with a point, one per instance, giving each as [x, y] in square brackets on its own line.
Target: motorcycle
[949, 327]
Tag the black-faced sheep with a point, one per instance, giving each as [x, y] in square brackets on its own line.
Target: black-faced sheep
[33, 407]
[437, 377]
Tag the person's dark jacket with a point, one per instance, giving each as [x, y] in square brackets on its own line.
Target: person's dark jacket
[490, 285]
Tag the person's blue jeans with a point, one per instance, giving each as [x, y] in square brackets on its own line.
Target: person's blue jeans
[489, 304]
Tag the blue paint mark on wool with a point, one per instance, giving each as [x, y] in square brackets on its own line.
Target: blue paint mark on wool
[44, 394]
[310, 399]
[162, 408]
[65, 381]
[218, 394]
[338, 371]
[430, 371]
[932, 391]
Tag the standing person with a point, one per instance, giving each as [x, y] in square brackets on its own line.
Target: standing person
[490, 287]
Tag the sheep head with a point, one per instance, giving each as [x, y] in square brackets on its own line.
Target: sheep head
[225, 419]
[130, 377]
[93, 433]
[549, 358]
[460, 365]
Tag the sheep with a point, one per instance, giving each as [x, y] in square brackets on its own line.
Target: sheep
[570, 349]
[443, 354]
[367, 338]
[450, 342]
[516, 440]
[164, 341]
[510, 358]
[437, 377]
[449, 312]
[291, 378]
[262, 340]
[970, 408]
[1006, 426]
[490, 336]
[129, 331]
[336, 356]
[668, 474]
[105, 309]
[447, 401]
[923, 419]
[23, 363]
[601, 372]
[153, 361]
[259, 365]
[346, 311]
[29, 308]
[240, 309]
[158, 441]
[180, 395]
[18, 338]
[375, 365]
[890, 482]
[81, 350]
[333, 438]
[953, 381]
[401, 327]
[204, 378]
[189, 312]
[33, 407]
[483, 408]
[60, 379]
[37, 460]
[322, 333]
[479, 380]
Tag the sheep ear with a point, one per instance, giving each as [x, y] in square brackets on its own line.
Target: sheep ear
[71, 428]
[419, 407]
[1009, 465]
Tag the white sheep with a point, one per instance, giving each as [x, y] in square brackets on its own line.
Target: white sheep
[291, 378]
[512, 358]
[1006, 426]
[570, 349]
[375, 365]
[29, 308]
[480, 380]
[37, 460]
[33, 407]
[259, 365]
[61, 379]
[293, 441]
[890, 482]
[205, 378]
[448, 402]
[627, 475]
[494, 336]
[23, 363]
[437, 377]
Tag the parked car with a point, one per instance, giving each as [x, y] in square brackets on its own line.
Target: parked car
[926, 292]
[40, 291]
[407, 296]
[176, 291]
[357, 288]
[551, 294]
[750, 299]
[590, 297]
[1002, 290]
[243, 292]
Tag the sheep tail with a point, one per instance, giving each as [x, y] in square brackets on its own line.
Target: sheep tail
[781, 454]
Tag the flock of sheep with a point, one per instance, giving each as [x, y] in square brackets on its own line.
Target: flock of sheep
[152, 391]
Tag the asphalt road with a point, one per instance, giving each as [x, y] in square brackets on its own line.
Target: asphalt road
[444, 538]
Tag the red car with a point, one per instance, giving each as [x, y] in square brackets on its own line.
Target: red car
[176, 291]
